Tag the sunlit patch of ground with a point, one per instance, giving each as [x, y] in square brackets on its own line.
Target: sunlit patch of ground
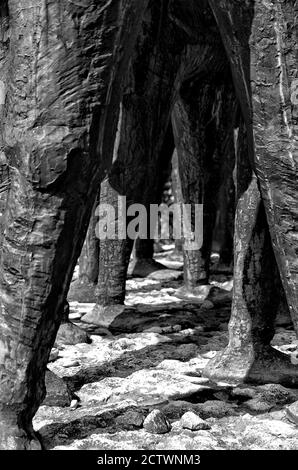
[152, 357]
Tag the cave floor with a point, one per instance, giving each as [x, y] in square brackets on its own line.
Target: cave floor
[151, 357]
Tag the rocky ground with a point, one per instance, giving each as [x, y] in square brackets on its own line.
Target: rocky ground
[138, 384]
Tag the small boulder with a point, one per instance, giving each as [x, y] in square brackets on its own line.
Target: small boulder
[74, 404]
[193, 422]
[276, 394]
[57, 391]
[71, 334]
[157, 423]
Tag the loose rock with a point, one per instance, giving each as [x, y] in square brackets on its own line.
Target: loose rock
[57, 392]
[71, 334]
[157, 423]
[74, 404]
[276, 394]
[193, 422]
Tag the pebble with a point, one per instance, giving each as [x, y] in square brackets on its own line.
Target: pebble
[156, 423]
[71, 334]
[192, 421]
[74, 404]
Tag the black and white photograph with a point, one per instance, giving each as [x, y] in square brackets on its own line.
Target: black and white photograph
[148, 231]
